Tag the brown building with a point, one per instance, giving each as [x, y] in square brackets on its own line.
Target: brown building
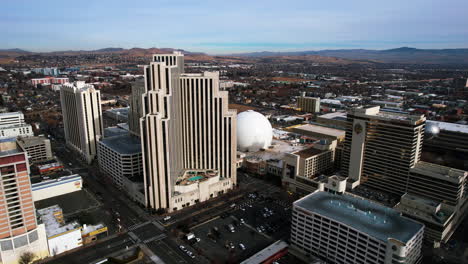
[19, 230]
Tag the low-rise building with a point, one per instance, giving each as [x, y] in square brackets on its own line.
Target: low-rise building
[91, 233]
[269, 254]
[334, 119]
[436, 216]
[318, 132]
[49, 80]
[387, 104]
[38, 148]
[301, 168]
[56, 187]
[61, 237]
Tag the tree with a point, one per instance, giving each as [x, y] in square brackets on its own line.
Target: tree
[27, 258]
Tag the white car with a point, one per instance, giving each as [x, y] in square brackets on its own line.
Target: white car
[242, 246]
[197, 239]
[167, 218]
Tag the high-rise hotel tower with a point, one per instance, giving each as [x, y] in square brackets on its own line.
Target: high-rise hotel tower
[188, 135]
[82, 118]
[19, 229]
[381, 148]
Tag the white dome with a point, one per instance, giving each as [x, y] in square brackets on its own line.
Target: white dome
[254, 131]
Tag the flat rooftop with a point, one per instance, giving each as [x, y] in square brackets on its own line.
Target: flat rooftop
[266, 252]
[439, 218]
[32, 140]
[307, 153]
[337, 133]
[11, 114]
[379, 113]
[335, 116]
[278, 151]
[438, 171]
[52, 217]
[119, 111]
[57, 181]
[450, 126]
[8, 147]
[123, 144]
[371, 218]
[114, 131]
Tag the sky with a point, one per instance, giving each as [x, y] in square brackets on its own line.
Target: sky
[221, 27]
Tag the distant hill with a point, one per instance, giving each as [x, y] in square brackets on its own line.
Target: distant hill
[14, 50]
[10, 54]
[404, 55]
[109, 50]
[398, 55]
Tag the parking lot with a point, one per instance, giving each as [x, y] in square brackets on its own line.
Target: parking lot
[268, 216]
[247, 228]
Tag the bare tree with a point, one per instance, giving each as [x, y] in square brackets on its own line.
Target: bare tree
[27, 258]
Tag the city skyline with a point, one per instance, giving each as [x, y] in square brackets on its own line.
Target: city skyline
[234, 27]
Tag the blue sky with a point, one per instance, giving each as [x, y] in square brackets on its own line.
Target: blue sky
[233, 26]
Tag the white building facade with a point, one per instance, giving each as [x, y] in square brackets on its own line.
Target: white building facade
[343, 229]
[186, 126]
[82, 118]
[120, 157]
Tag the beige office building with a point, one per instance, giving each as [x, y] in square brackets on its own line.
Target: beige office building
[309, 104]
[382, 150]
[381, 147]
[82, 118]
[302, 168]
[187, 126]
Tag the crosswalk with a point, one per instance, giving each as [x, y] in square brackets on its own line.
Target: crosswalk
[155, 238]
[136, 226]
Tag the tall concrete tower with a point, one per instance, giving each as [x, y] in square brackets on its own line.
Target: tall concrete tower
[82, 118]
[188, 135]
[381, 148]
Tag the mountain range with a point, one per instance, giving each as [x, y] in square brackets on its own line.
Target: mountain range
[403, 55]
[398, 55]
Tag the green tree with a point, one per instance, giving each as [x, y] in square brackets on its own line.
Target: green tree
[27, 258]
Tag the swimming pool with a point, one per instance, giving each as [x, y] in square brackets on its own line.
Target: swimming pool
[194, 178]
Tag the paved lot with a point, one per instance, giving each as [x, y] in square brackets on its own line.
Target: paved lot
[214, 247]
[169, 252]
[269, 215]
[71, 202]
